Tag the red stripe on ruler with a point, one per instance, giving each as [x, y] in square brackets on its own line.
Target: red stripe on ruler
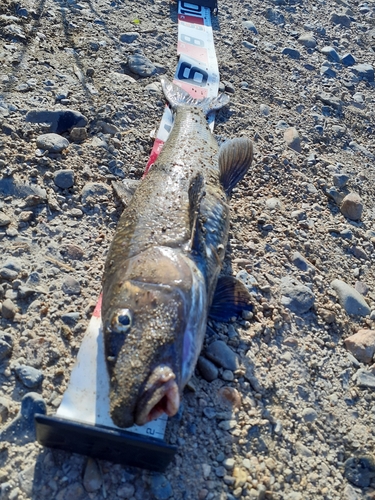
[190, 19]
[156, 148]
[194, 90]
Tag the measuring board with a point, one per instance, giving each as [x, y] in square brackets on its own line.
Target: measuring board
[82, 423]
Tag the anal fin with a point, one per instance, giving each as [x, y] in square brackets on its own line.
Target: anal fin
[231, 297]
[235, 157]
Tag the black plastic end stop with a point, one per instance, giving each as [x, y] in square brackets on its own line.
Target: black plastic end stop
[106, 443]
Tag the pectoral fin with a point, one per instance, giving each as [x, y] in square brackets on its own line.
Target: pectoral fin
[125, 190]
[231, 297]
[235, 157]
[196, 193]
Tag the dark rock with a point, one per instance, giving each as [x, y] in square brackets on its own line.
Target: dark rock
[54, 143]
[351, 300]
[348, 60]
[9, 309]
[360, 470]
[292, 53]
[129, 37]
[331, 53]
[60, 120]
[207, 369]
[364, 71]
[64, 179]
[222, 355]
[341, 19]
[71, 286]
[295, 296]
[161, 487]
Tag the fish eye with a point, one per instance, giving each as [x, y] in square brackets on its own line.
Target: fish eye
[122, 321]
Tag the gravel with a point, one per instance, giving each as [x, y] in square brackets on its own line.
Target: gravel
[284, 407]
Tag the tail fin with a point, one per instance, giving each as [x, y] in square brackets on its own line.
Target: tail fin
[176, 97]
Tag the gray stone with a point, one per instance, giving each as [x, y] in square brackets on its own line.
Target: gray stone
[94, 190]
[326, 70]
[71, 286]
[331, 53]
[274, 204]
[126, 491]
[6, 345]
[249, 25]
[334, 195]
[64, 179]
[358, 148]
[341, 19]
[9, 309]
[360, 470]
[350, 493]
[352, 301]
[352, 206]
[340, 180]
[364, 71]
[264, 109]
[222, 355]
[78, 134]
[53, 143]
[330, 100]
[70, 318]
[292, 139]
[207, 369]
[274, 16]
[290, 52]
[248, 45]
[92, 478]
[8, 274]
[346, 233]
[4, 409]
[348, 60]
[300, 262]
[4, 220]
[309, 415]
[29, 376]
[307, 40]
[161, 487]
[295, 296]
[129, 37]
[60, 121]
[365, 379]
[140, 65]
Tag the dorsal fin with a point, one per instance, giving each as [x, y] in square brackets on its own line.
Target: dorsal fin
[235, 157]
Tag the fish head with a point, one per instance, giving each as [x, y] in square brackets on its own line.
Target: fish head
[149, 325]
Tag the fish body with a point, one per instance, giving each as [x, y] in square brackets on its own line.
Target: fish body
[164, 261]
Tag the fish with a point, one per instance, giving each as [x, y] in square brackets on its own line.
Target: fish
[161, 279]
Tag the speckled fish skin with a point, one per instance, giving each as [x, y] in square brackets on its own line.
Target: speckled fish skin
[155, 270]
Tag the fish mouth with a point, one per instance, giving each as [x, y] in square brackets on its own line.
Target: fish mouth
[161, 395]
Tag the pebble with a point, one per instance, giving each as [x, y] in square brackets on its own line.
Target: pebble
[264, 109]
[352, 206]
[126, 491]
[53, 143]
[4, 220]
[71, 286]
[300, 262]
[29, 376]
[290, 52]
[309, 415]
[73, 252]
[229, 463]
[365, 379]
[340, 180]
[93, 190]
[92, 478]
[4, 409]
[331, 53]
[248, 45]
[295, 296]
[364, 71]
[9, 309]
[229, 397]
[292, 139]
[350, 493]
[362, 345]
[22, 428]
[8, 274]
[348, 59]
[274, 204]
[161, 487]
[60, 120]
[274, 16]
[341, 19]
[78, 134]
[359, 253]
[64, 179]
[352, 301]
[140, 65]
[307, 40]
[6, 345]
[360, 470]
[249, 25]
[129, 37]
[207, 369]
[222, 355]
